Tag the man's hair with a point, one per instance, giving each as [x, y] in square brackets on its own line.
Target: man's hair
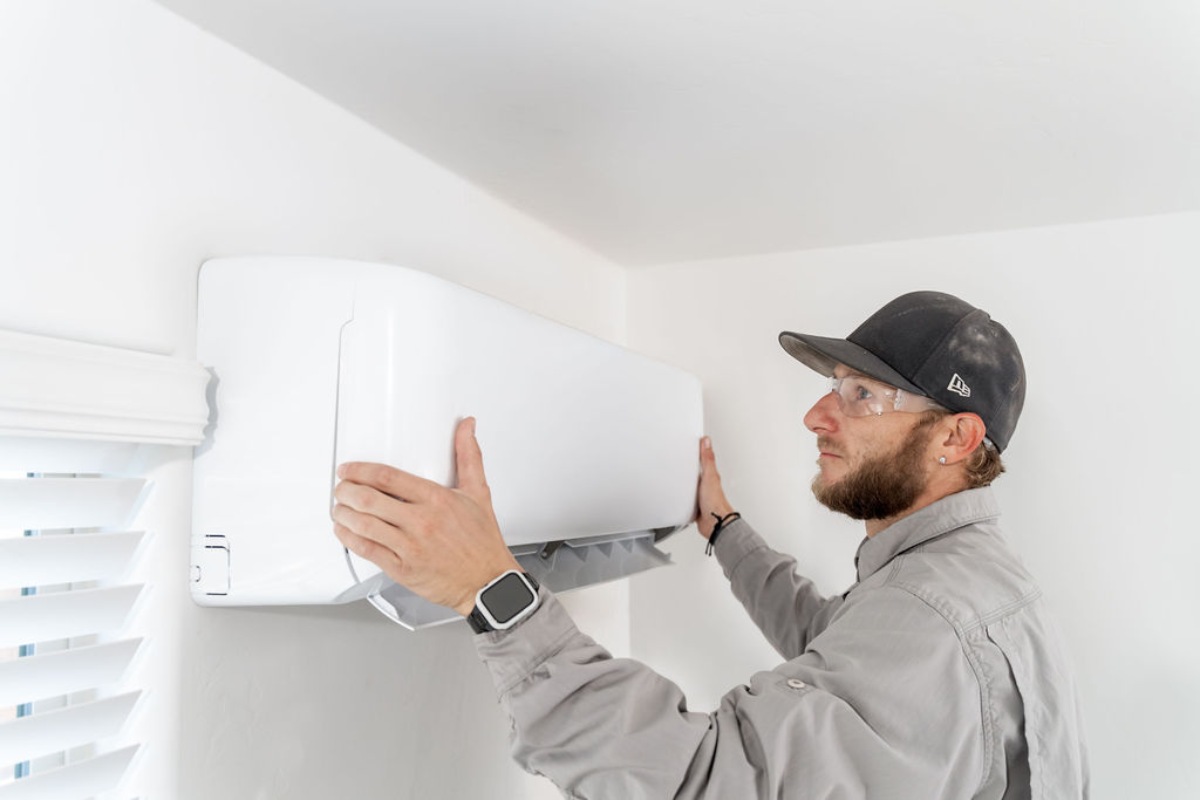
[984, 466]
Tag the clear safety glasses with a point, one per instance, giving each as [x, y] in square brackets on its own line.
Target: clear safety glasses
[859, 396]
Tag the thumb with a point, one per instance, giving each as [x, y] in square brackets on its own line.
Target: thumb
[468, 459]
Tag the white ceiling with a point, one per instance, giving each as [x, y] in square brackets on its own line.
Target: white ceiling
[668, 130]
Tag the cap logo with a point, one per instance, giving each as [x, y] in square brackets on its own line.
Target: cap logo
[959, 386]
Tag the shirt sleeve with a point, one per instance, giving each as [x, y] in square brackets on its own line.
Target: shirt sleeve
[883, 707]
[785, 606]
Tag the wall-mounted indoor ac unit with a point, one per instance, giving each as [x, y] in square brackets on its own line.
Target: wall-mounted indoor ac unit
[590, 449]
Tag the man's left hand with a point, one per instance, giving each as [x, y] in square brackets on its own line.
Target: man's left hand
[711, 503]
[442, 543]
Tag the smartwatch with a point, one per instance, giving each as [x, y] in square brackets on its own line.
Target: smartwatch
[504, 602]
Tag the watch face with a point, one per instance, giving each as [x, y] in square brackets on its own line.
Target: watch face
[507, 597]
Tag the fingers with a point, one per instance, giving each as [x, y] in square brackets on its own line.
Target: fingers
[370, 524]
[414, 489]
[708, 459]
[369, 501]
[388, 560]
[468, 459]
[389, 480]
[710, 496]
[366, 525]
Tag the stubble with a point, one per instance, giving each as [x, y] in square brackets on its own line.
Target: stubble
[882, 487]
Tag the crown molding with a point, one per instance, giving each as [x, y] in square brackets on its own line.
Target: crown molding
[66, 389]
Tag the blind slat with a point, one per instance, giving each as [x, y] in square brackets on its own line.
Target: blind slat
[34, 454]
[83, 779]
[46, 617]
[25, 680]
[66, 558]
[27, 738]
[47, 503]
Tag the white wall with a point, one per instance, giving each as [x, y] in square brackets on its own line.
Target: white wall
[1100, 469]
[133, 147]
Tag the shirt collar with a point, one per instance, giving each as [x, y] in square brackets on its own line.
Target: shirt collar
[943, 516]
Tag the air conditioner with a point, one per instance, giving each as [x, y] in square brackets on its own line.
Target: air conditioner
[590, 449]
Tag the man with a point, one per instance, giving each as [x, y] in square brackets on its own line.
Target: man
[937, 675]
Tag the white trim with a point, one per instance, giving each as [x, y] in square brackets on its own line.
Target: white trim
[59, 388]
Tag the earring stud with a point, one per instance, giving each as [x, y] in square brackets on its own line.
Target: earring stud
[942, 460]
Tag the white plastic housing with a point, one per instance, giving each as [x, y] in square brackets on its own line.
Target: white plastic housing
[320, 361]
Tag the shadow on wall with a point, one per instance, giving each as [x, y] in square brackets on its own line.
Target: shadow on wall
[320, 702]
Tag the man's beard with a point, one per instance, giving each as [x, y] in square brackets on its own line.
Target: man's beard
[883, 486]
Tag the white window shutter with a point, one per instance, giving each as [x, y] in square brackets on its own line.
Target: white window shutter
[76, 423]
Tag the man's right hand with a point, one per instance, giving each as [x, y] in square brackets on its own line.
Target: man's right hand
[710, 497]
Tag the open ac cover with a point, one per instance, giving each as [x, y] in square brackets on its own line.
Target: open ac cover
[590, 449]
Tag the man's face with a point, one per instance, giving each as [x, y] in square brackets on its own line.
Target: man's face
[871, 467]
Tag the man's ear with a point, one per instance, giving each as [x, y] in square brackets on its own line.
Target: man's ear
[964, 434]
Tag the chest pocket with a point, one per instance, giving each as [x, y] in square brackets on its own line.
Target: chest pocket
[1057, 767]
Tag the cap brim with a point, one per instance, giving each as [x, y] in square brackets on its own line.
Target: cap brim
[822, 354]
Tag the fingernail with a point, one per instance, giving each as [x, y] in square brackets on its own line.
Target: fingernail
[341, 470]
[707, 443]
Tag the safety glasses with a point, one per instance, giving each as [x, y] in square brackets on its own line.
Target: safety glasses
[859, 396]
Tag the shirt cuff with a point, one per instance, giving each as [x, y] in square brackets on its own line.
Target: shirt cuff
[737, 540]
[512, 655]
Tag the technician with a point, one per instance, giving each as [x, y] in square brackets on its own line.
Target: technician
[938, 674]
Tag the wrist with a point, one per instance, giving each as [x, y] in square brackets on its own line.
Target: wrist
[719, 525]
[715, 513]
[467, 604]
[466, 607]
[505, 602]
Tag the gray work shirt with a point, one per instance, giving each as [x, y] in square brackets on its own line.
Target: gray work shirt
[937, 675]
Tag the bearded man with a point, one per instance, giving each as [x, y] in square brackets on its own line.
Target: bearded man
[937, 675]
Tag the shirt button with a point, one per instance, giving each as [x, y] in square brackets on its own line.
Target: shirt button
[796, 684]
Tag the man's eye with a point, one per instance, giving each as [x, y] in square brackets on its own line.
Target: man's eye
[862, 393]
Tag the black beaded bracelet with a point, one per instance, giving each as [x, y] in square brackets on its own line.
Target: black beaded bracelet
[720, 526]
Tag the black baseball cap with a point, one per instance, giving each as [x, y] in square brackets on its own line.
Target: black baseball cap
[936, 345]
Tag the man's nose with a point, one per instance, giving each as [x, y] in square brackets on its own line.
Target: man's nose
[823, 415]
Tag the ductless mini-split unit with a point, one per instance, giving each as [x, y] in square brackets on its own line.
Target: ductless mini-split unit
[590, 449]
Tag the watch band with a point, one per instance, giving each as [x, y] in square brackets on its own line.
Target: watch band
[479, 623]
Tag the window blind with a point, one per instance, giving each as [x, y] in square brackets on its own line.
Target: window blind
[79, 424]
[64, 604]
